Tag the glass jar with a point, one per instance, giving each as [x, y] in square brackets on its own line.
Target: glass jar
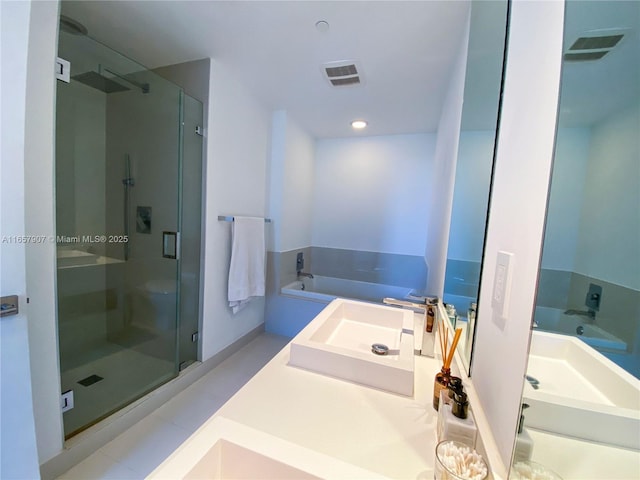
[441, 382]
[457, 461]
[528, 470]
[460, 405]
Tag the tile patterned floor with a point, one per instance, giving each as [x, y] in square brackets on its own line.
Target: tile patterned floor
[138, 451]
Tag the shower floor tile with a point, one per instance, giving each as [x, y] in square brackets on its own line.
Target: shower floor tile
[138, 451]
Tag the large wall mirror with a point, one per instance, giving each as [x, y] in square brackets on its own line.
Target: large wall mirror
[582, 387]
[478, 133]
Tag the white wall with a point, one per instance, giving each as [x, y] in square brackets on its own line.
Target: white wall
[40, 220]
[565, 198]
[442, 177]
[525, 149]
[291, 185]
[237, 153]
[370, 193]
[18, 450]
[611, 198]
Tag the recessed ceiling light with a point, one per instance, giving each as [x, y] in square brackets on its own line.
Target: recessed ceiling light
[358, 124]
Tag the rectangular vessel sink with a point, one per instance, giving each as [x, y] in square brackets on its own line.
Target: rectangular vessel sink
[224, 449]
[338, 343]
[578, 392]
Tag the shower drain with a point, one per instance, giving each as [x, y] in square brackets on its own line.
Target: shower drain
[90, 380]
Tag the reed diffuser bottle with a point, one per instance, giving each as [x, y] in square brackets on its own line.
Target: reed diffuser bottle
[443, 377]
[441, 382]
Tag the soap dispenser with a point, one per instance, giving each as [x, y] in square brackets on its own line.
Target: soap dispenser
[524, 442]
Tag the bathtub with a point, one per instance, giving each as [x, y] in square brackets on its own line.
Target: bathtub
[576, 391]
[554, 320]
[326, 289]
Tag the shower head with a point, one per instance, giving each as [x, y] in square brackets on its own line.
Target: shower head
[112, 83]
[99, 82]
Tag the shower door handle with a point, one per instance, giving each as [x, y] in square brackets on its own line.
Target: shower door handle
[170, 244]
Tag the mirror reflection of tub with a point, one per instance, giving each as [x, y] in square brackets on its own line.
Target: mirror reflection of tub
[325, 289]
[556, 320]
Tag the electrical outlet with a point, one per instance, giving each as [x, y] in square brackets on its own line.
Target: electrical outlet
[66, 401]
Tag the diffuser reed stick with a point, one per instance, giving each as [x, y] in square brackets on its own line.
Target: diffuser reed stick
[449, 358]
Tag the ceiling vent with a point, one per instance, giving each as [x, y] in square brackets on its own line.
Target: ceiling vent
[593, 45]
[343, 73]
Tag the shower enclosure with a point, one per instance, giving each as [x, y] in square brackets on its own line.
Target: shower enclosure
[128, 217]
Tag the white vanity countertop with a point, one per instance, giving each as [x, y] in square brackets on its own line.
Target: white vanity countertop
[389, 434]
[384, 433]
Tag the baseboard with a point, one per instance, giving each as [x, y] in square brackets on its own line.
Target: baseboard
[85, 443]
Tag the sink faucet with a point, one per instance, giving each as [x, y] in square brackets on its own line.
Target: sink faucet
[534, 382]
[419, 307]
[304, 274]
[429, 309]
[590, 314]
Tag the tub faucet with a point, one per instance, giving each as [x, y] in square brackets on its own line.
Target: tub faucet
[300, 266]
[590, 314]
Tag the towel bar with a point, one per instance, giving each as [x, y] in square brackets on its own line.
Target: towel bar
[231, 218]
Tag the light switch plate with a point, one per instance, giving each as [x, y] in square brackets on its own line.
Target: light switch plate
[502, 285]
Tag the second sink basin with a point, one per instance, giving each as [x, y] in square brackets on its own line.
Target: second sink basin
[580, 393]
[338, 343]
[223, 449]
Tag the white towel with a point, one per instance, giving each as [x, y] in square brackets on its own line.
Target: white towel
[246, 272]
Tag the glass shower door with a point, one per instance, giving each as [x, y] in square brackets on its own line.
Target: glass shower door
[117, 208]
[190, 223]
